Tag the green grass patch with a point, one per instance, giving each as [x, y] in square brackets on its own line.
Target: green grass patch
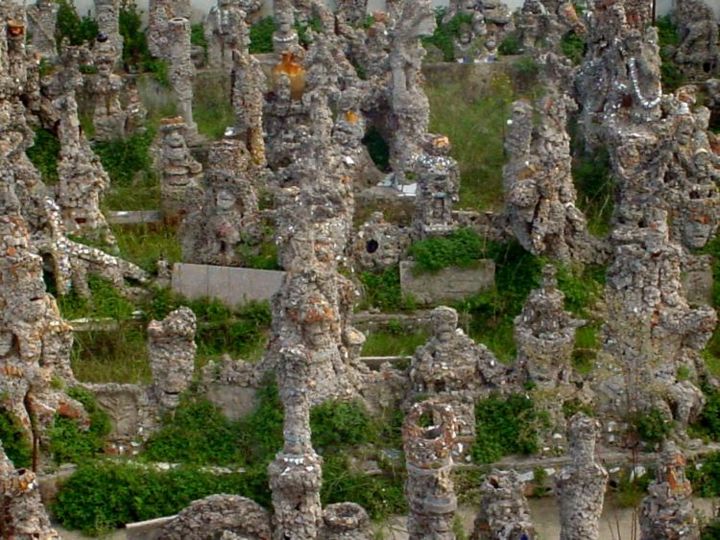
[44, 154]
[706, 479]
[69, 443]
[382, 290]
[145, 244]
[596, 190]
[505, 426]
[573, 46]
[212, 110]
[104, 495]
[445, 33]
[105, 301]
[475, 125]
[462, 248]
[393, 344]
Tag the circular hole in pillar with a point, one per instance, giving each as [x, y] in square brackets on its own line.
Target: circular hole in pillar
[372, 246]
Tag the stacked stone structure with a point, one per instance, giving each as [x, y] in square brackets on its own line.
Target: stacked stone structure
[581, 484]
[345, 521]
[42, 19]
[504, 511]
[181, 71]
[107, 15]
[537, 179]
[171, 350]
[378, 244]
[428, 455]
[181, 174]
[228, 217]
[22, 514]
[698, 53]
[109, 119]
[667, 511]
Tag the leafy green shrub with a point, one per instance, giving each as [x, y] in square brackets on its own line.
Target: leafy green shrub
[445, 34]
[583, 289]
[197, 37]
[69, 443]
[44, 154]
[341, 423]
[706, 479]
[382, 290]
[492, 312]
[708, 424]
[651, 426]
[196, 432]
[510, 45]
[573, 46]
[136, 55]
[77, 30]
[631, 489]
[261, 36]
[505, 426]
[104, 302]
[711, 531]
[14, 441]
[378, 149]
[462, 248]
[104, 495]
[381, 495]
[524, 72]
[668, 39]
[123, 159]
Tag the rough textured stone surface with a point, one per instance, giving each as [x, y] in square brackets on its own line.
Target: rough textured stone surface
[438, 188]
[181, 71]
[171, 350]
[698, 53]
[504, 511]
[35, 341]
[42, 18]
[428, 455]
[545, 335]
[541, 24]
[581, 485]
[378, 244]
[667, 512]
[181, 174]
[537, 179]
[218, 516]
[448, 284]
[109, 119]
[228, 217]
[345, 521]
[107, 15]
[22, 515]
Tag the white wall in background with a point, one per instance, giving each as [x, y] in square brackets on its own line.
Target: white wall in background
[201, 7]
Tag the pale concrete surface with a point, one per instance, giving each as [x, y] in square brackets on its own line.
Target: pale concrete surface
[228, 284]
[448, 284]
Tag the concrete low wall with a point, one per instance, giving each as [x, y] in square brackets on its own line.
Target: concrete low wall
[448, 284]
[228, 284]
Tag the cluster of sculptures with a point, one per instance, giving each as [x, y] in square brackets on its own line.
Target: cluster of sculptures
[297, 133]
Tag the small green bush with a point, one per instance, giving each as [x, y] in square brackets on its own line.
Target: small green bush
[510, 45]
[14, 441]
[445, 34]
[525, 71]
[261, 36]
[708, 424]
[196, 432]
[341, 423]
[69, 25]
[71, 444]
[382, 290]
[651, 426]
[505, 426]
[105, 495]
[136, 55]
[630, 491]
[573, 46]
[381, 495]
[462, 248]
[706, 479]
[668, 40]
[124, 159]
[711, 531]
[596, 189]
[44, 154]
[197, 37]
[105, 302]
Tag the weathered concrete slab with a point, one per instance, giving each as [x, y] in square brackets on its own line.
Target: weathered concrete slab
[128, 217]
[447, 285]
[146, 530]
[230, 285]
[697, 280]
